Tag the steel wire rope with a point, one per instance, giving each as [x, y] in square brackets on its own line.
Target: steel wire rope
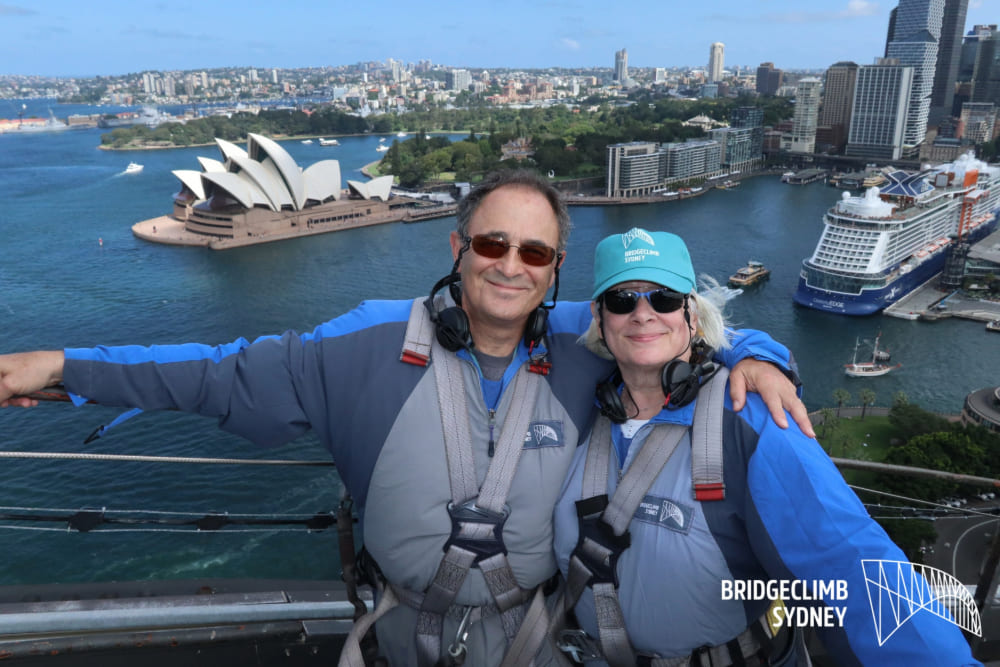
[947, 508]
[94, 456]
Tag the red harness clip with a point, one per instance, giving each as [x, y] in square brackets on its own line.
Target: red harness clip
[540, 366]
[713, 491]
[411, 357]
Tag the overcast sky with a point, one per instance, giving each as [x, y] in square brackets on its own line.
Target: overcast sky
[74, 38]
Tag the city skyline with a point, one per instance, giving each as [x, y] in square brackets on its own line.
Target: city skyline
[62, 38]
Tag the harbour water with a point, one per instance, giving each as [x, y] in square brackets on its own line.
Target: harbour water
[72, 274]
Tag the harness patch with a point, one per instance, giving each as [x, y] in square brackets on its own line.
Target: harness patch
[548, 433]
[666, 513]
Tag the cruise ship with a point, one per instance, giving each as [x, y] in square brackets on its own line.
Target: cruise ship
[878, 247]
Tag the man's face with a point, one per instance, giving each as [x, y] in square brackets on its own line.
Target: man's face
[502, 292]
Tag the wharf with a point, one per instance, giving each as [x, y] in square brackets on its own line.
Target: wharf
[806, 176]
[928, 302]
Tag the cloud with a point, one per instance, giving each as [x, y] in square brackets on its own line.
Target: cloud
[170, 35]
[860, 8]
[853, 9]
[12, 10]
[570, 44]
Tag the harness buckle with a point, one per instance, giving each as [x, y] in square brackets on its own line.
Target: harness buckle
[484, 546]
[593, 529]
[579, 645]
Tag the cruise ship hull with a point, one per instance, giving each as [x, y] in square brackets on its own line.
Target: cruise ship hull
[871, 301]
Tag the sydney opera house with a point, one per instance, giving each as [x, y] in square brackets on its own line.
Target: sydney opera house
[261, 194]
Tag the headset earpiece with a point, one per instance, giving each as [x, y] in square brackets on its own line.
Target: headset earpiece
[452, 329]
[451, 325]
[609, 401]
[681, 381]
[534, 329]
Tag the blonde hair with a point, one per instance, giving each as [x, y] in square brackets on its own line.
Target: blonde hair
[706, 314]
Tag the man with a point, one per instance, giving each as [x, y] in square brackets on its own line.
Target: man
[505, 399]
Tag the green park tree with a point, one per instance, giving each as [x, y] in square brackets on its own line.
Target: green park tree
[829, 421]
[867, 397]
[841, 396]
[900, 399]
[910, 420]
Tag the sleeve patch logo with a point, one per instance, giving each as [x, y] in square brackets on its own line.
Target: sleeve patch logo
[665, 512]
[544, 434]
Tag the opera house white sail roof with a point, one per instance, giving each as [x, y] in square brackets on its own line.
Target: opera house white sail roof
[265, 175]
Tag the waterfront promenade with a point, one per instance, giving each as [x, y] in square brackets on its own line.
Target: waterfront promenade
[929, 302]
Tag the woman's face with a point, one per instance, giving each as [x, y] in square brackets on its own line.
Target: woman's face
[645, 339]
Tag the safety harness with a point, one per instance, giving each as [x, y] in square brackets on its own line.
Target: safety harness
[477, 515]
[604, 535]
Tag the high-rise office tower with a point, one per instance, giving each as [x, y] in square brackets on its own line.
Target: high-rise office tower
[914, 43]
[838, 99]
[878, 117]
[768, 79]
[806, 113]
[621, 66]
[889, 32]
[970, 50]
[838, 94]
[949, 54]
[986, 76]
[716, 59]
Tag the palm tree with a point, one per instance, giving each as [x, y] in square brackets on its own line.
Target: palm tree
[829, 420]
[900, 399]
[841, 396]
[867, 397]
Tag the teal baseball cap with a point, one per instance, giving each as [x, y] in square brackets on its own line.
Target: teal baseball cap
[656, 257]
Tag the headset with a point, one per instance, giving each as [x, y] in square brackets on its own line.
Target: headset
[452, 324]
[679, 379]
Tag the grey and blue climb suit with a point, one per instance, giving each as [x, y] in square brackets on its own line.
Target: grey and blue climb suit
[787, 515]
[381, 422]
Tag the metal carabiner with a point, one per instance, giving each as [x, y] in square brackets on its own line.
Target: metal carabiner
[458, 648]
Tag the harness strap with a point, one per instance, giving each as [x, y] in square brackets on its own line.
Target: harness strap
[748, 644]
[706, 440]
[604, 530]
[351, 655]
[419, 334]
[654, 454]
[478, 514]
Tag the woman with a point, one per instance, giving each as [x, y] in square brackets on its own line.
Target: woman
[673, 577]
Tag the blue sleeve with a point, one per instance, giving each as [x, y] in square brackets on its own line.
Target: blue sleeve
[269, 391]
[805, 523]
[757, 345]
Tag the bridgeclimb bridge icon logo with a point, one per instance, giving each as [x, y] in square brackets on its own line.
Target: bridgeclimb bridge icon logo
[898, 589]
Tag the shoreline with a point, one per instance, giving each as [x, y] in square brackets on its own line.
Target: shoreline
[297, 137]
